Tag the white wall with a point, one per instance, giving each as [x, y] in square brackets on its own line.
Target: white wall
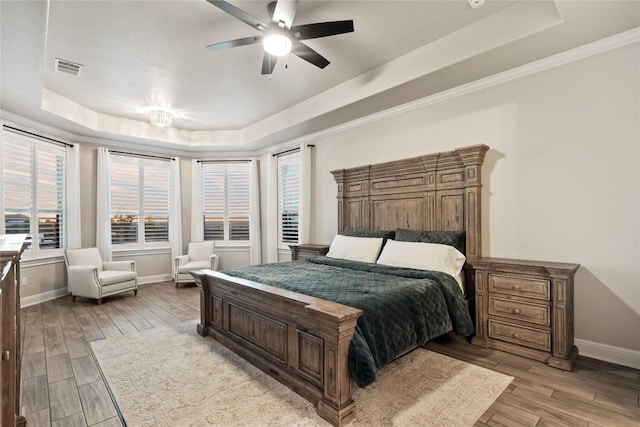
[561, 181]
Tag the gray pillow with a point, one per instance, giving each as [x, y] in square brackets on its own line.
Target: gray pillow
[451, 238]
[359, 232]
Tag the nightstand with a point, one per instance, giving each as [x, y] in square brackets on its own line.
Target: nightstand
[526, 308]
[305, 250]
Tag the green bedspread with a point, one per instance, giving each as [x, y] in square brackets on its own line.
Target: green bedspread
[402, 308]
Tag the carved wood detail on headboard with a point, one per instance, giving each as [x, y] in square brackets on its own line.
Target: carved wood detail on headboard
[438, 191]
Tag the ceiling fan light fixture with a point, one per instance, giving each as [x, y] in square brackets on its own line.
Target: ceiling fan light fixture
[277, 44]
[160, 117]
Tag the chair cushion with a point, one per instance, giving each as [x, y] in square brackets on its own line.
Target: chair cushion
[85, 256]
[200, 251]
[195, 265]
[111, 277]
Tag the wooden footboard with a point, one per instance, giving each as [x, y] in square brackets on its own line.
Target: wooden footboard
[300, 340]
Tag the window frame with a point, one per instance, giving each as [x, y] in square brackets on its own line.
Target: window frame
[226, 212]
[36, 148]
[141, 163]
[294, 158]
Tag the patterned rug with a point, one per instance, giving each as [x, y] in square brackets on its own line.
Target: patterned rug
[169, 377]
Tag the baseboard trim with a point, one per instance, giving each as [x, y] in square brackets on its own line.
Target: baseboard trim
[61, 292]
[609, 353]
[43, 297]
[154, 279]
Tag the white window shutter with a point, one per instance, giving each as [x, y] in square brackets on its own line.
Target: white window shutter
[33, 192]
[213, 202]
[50, 190]
[289, 181]
[226, 200]
[140, 192]
[238, 203]
[155, 195]
[17, 188]
[124, 185]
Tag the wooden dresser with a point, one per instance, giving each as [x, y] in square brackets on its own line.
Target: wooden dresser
[305, 250]
[11, 248]
[526, 308]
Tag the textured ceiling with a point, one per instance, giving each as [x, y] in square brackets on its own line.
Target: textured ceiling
[140, 53]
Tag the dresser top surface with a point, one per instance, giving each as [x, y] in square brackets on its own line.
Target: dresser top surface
[12, 244]
[496, 262]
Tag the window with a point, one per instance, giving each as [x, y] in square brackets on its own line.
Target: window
[289, 189]
[140, 200]
[33, 192]
[226, 201]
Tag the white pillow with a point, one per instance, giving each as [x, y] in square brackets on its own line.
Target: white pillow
[364, 249]
[423, 256]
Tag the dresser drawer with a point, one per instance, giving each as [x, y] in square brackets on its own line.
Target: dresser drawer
[520, 335]
[520, 286]
[300, 251]
[303, 254]
[532, 313]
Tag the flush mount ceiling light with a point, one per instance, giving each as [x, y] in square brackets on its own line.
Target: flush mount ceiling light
[476, 3]
[276, 43]
[160, 117]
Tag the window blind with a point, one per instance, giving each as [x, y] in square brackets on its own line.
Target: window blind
[289, 181]
[33, 191]
[213, 202]
[238, 196]
[139, 191]
[17, 187]
[124, 194]
[225, 201]
[156, 203]
[50, 190]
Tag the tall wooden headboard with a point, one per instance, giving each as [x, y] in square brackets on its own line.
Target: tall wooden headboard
[439, 191]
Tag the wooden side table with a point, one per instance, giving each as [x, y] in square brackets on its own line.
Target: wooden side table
[304, 250]
[526, 308]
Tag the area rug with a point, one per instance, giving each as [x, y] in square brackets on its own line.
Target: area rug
[174, 377]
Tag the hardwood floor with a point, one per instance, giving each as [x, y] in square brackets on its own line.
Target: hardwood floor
[63, 386]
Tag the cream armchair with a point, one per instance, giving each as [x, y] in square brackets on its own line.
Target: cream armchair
[88, 276]
[199, 256]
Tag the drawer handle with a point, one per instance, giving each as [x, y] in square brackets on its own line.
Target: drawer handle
[6, 355]
[515, 287]
[515, 335]
[516, 311]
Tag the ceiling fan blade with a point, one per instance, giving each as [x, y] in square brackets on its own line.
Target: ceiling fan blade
[321, 29]
[285, 11]
[240, 14]
[268, 63]
[305, 52]
[235, 43]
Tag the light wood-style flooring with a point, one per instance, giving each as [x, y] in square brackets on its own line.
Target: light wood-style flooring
[63, 386]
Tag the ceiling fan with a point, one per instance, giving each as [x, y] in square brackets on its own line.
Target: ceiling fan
[280, 36]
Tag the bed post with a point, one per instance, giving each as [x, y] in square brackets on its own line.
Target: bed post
[204, 295]
[472, 158]
[336, 406]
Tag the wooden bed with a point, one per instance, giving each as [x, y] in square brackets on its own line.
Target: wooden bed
[304, 341]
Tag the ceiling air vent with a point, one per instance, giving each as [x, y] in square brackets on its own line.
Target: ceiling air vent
[68, 67]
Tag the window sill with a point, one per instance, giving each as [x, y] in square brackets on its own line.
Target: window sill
[139, 251]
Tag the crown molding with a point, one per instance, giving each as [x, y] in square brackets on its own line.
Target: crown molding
[563, 58]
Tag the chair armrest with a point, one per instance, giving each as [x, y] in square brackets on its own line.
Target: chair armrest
[82, 274]
[119, 265]
[213, 259]
[182, 260]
